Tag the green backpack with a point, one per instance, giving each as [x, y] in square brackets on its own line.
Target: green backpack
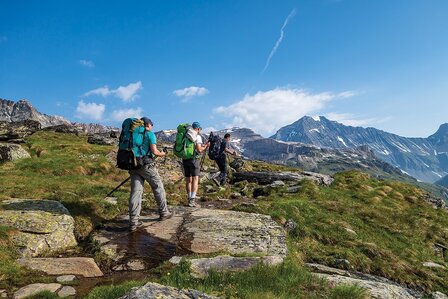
[184, 145]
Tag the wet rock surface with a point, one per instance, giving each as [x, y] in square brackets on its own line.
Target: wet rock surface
[12, 152]
[190, 230]
[155, 290]
[81, 266]
[43, 225]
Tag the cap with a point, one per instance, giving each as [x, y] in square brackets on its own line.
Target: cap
[146, 120]
[196, 125]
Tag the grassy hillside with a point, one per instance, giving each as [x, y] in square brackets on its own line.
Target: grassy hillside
[359, 223]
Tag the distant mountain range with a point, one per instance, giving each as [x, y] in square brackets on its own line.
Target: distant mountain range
[423, 158]
[11, 111]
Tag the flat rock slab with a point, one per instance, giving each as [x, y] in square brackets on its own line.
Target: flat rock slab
[155, 290]
[43, 225]
[377, 290]
[36, 288]
[192, 230]
[200, 267]
[81, 266]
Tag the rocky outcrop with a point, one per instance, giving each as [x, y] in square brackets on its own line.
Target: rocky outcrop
[102, 139]
[81, 266]
[199, 231]
[155, 290]
[16, 131]
[22, 110]
[12, 152]
[264, 178]
[43, 225]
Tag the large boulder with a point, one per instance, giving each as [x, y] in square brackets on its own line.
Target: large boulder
[269, 177]
[16, 131]
[102, 139]
[12, 152]
[43, 225]
[155, 290]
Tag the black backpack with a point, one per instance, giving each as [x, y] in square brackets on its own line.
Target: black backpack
[214, 150]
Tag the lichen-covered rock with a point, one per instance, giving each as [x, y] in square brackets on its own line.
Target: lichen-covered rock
[438, 295]
[200, 267]
[209, 231]
[155, 290]
[43, 225]
[12, 152]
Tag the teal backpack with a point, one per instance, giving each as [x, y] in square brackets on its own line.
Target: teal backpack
[130, 149]
[184, 146]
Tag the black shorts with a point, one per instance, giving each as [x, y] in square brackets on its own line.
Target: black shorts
[192, 167]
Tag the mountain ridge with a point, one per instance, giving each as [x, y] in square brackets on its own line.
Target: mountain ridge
[423, 158]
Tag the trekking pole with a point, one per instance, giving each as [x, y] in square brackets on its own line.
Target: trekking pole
[122, 183]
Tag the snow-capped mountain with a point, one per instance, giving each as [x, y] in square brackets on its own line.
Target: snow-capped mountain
[310, 157]
[423, 158]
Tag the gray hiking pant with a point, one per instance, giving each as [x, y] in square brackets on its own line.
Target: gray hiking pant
[138, 178]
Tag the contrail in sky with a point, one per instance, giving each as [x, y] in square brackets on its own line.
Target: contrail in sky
[277, 44]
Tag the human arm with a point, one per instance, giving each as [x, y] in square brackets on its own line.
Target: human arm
[155, 151]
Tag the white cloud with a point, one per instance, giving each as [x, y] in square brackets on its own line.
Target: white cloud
[209, 129]
[87, 63]
[90, 110]
[189, 92]
[347, 94]
[349, 119]
[269, 110]
[127, 93]
[121, 114]
[102, 91]
[279, 40]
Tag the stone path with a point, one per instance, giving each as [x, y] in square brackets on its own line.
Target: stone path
[190, 231]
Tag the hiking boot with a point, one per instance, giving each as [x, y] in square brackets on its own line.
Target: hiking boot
[166, 216]
[193, 204]
[135, 226]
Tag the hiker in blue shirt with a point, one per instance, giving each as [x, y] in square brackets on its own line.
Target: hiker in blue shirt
[148, 172]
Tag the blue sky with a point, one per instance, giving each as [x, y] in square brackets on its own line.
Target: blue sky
[257, 64]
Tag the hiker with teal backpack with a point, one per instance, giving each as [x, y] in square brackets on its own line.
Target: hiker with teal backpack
[137, 151]
[189, 146]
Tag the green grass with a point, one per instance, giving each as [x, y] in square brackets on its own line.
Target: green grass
[44, 295]
[284, 281]
[114, 291]
[395, 229]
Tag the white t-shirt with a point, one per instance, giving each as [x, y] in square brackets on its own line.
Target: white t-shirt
[198, 139]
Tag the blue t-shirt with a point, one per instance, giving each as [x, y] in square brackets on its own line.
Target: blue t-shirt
[144, 149]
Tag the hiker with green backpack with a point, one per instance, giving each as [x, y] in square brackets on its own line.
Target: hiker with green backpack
[137, 151]
[189, 146]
